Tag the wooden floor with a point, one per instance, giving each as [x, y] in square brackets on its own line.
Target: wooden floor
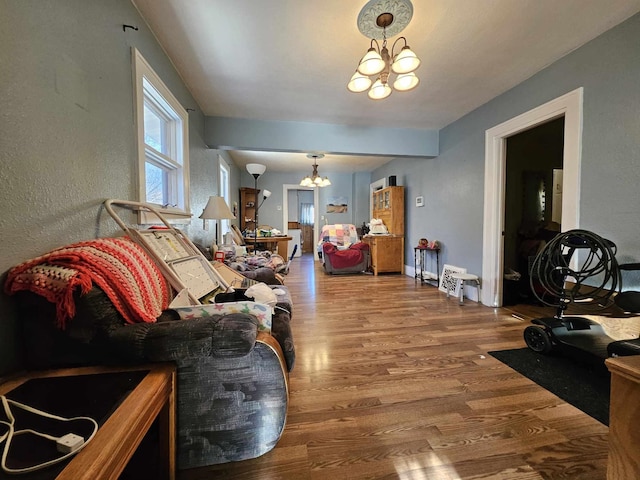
[393, 381]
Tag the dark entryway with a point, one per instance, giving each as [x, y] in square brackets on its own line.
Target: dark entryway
[533, 200]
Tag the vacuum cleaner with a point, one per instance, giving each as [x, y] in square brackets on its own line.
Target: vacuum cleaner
[579, 268]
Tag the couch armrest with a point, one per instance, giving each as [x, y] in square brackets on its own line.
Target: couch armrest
[232, 335]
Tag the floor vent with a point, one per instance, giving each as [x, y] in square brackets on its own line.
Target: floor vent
[447, 283]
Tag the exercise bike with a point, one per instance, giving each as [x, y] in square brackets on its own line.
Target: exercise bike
[555, 283]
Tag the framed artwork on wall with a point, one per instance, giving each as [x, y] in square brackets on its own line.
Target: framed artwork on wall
[337, 205]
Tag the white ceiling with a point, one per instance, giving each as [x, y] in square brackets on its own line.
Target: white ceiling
[290, 60]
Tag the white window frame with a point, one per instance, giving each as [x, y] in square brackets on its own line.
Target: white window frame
[148, 85]
[224, 187]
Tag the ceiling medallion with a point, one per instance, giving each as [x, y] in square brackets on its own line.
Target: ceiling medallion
[401, 12]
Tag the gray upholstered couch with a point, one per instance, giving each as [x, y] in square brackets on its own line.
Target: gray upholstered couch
[231, 378]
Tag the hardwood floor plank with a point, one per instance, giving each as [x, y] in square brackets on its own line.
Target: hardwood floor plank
[394, 381]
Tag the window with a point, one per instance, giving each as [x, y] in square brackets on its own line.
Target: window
[306, 213]
[163, 145]
[224, 183]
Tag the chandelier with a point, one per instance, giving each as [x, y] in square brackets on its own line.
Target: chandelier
[377, 19]
[315, 180]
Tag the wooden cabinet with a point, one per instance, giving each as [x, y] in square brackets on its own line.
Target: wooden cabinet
[388, 205]
[387, 251]
[624, 436]
[248, 200]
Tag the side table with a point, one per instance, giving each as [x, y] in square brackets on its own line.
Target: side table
[421, 254]
[129, 416]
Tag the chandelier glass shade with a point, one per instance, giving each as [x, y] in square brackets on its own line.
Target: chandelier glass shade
[377, 63]
[376, 66]
[315, 180]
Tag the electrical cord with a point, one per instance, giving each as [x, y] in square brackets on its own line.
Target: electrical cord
[77, 443]
[551, 268]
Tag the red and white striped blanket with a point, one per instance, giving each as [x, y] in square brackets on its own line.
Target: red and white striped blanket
[120, 267]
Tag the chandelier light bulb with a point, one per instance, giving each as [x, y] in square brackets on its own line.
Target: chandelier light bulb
[406, 61]
[379, 90]
[372, 63]
[406, 82]
[358, 83]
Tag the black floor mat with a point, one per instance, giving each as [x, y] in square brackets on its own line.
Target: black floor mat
[583, 385]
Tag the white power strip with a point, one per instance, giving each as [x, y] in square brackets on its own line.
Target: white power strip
[68, 444]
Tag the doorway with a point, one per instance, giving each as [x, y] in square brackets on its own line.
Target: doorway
[568, 106]
[534, 161]
[286, 188]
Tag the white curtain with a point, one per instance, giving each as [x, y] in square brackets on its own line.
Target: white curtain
[306, 213]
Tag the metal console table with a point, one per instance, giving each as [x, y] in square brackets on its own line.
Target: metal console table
[425, 276]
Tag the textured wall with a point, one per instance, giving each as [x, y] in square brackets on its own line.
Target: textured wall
[453, 184]
[68, 138]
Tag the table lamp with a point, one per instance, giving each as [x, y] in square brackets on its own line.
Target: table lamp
[216, 209]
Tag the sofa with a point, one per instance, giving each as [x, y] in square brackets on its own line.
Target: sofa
[232, 368]
[342, 251]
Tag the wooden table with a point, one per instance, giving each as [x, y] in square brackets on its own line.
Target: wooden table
[115, 442]
[624, 435]
[281, 241]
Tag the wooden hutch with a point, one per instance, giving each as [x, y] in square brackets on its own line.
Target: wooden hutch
[248, 204]
[387, 251]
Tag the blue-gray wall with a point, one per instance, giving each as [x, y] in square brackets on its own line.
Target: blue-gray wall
[453, 183]
[248, 134]
[63, 151]
[353, 186]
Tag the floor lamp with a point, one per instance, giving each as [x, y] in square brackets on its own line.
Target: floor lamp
[255, 169]
[216, 209]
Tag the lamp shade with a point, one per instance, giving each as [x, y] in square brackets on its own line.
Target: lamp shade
[266, 193]
[406, 81]
[358, 83]
[216, 209]
[379, 90]
[372, 63]
[406, 61]
[256, 169]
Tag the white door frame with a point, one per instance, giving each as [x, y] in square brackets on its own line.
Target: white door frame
[569, 106]
[316, 212]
